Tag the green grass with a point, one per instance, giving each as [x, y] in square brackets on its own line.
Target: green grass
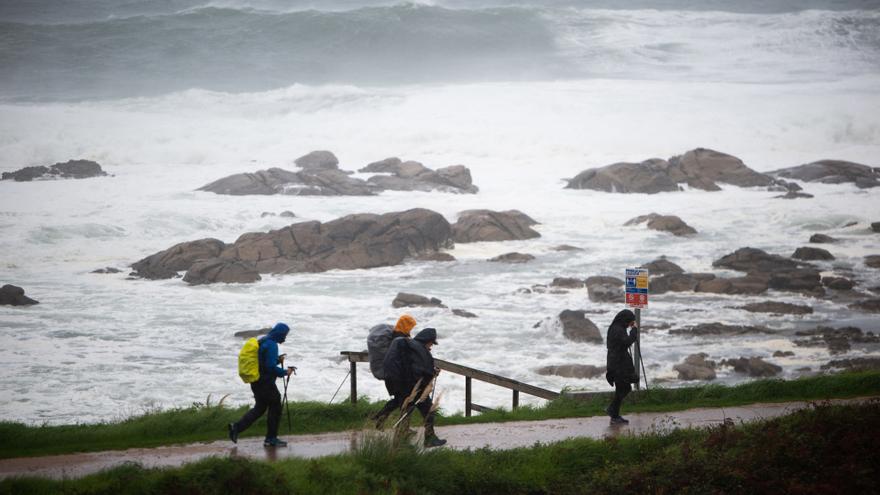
[818, 450]
[203, 423]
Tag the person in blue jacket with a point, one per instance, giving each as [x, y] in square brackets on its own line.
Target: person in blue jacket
[265, 392]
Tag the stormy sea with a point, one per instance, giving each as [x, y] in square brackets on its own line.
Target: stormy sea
[170, 96]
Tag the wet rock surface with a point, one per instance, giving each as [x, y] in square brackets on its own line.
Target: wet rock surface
[219, 270]
[811, 253]
[578, 328]
[662, 266]
[794, 195]
[488, 225]
[699, 168]
[441, 257]
[407, 300]
[696, 367]
[868, 305]
[320, 175]
[165, 264]
[663, 223]
[712, 329]
[72, 169]
[779, 272]
[822, 239]
[832, 172]
[837, 340]
[463, 313]
[838, 283]
[872, 261]
[604, 289]
[13, 295]
[348, 243]
[106, 270]
[854, 364]
[567, 283]
[755, 367]
[779, 308]
[585, 371]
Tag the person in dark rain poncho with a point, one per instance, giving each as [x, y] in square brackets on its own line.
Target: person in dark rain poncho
[621, 371]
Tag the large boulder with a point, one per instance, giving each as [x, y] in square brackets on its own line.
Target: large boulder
[699, 168]
[318, 160]
[833, 172]
[650, 176]
[572, 370]
[696, 367]
[72, 169]
[12, 295]
[753, 366]
[407, 300]
[838, 283]
[488, 225]
[603, 289]
[702, 168]
[662, 266]
[872, 261]
[804, 280]
[664, 223]
[678, 282]
[578, 328]
[811, 254]
[567, 283]
[837, 340]
[218, 270]
[308, 182]
[180, 257]
[413, 176]
[753, 260]
[348, 243]
[822, 239]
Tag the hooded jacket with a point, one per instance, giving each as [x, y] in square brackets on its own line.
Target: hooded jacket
[421, 360]
[408, 360]
[269, 366]
[620, 364]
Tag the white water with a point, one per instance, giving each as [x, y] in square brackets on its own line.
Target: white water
[100, 347]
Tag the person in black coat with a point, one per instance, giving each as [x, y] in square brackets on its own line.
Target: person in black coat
[621, 371]
[407, 363]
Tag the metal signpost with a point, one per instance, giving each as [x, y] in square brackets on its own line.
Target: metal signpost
[637, 297]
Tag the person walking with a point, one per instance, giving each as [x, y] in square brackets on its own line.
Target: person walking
[402, 330]
[410, 363]
[621, 372]
[266, 395]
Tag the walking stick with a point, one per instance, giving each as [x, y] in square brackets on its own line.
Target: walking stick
[286, 402]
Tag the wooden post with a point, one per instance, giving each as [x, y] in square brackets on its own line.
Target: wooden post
[637, 351]
[515, 399]
[354, 383]
[467, 396]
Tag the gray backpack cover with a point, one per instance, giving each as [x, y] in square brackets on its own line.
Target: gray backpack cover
[377, 346]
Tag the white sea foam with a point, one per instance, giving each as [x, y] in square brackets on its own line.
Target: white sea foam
[100, 346]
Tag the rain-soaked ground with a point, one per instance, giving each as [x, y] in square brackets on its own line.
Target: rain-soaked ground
[493, 435]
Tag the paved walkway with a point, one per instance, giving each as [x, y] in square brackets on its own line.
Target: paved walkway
[493, 435]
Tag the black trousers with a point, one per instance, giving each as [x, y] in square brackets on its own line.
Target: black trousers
[266, 396]
[399, 392]
[621, 390]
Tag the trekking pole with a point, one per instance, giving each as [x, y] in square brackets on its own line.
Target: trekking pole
[644, 374]
[339, 387]
[286, 402]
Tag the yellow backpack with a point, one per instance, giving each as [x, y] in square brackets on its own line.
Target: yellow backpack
[249, 361]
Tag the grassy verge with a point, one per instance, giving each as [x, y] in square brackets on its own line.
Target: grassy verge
[824, 449]
[209, 422]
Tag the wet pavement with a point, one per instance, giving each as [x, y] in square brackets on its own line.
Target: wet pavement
[492, 435]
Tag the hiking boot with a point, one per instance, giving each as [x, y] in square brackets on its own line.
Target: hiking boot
[274, 442]
[233, 433]
[619, 420]
[433, 441]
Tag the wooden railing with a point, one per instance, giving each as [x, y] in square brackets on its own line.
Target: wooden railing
[469, 374]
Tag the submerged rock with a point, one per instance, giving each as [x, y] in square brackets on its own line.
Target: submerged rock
[72, 169]
[868, 305]
[584, 371]
[512, 258]
[664, 223]
[705, 329]
[833, 172]
[872, 261]
[13, 295]
[406, 300]
[822, 239]
[578, 328]
[107, 270]
[794, 195]
[488, 225]
[463, 313]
